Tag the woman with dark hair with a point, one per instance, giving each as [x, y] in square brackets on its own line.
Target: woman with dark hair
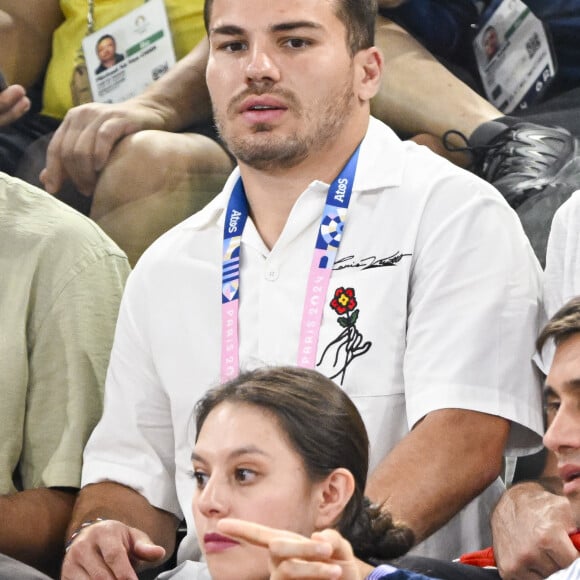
[284, 452]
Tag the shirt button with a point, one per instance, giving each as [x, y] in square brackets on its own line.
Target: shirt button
[272, 274]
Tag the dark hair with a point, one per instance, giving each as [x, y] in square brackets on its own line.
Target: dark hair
[325, 429]
[105, 37]
[562, 325]
[358, 16]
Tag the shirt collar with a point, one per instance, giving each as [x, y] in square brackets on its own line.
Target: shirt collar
[381, 159]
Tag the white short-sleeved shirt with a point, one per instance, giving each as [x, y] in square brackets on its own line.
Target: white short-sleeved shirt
[562, 273]
[562, 279]
[570, 573]
[447, 289]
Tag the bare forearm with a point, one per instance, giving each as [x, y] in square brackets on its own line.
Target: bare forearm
[116, 502]
[33, 526]
[26, 32]
[180, 96]
[403, 105]
[447, 460]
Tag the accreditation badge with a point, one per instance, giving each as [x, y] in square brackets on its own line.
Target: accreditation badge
[514, 56]
[126, 56]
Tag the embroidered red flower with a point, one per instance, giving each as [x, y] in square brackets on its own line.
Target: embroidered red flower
[349, 344]
[344, 300]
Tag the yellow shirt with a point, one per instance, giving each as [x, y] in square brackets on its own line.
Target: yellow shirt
[185, 19]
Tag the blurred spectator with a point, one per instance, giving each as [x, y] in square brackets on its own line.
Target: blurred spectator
[149, 176]
[52, 35]
[90, 133]
[60, 289]
[532, 157]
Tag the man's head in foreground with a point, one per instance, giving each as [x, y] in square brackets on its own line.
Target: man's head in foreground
[562, 398]
[289, 80]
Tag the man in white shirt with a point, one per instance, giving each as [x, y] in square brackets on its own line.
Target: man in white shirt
[562, 402]
[531, 523]
[424, 311]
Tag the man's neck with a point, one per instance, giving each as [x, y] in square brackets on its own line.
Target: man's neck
[271, 196]
[272, 193]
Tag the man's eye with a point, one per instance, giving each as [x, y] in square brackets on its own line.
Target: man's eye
[233, 46]
[200, 478]
[297, 43]
[244, 475]
[551, 407]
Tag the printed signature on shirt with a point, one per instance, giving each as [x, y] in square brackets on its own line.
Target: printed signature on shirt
[370, 262]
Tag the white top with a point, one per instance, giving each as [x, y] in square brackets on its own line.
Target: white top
[570, 573]
[562, 274]
[562, 280]
[188, 570]
[448, 291]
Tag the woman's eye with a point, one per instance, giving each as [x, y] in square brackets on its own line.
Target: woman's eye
[200, 478]
[244, 475]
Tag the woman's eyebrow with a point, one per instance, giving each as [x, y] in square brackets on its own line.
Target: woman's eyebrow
[246, 450]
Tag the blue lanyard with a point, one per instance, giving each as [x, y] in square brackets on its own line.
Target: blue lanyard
[325, 250]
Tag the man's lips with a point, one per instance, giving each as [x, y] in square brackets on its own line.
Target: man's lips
[262, 103]
[570, 475]
[217, 543]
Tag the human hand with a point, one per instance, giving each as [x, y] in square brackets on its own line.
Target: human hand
[325, 555]
[13, 104]
[531, 528]
[82, 144]
[109, 550]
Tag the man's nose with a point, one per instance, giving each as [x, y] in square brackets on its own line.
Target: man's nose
[564, 430]
[261, 65]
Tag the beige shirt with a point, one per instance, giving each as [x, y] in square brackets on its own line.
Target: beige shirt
[61, 280]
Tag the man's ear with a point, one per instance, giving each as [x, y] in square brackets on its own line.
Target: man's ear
[369, 69]
[334, 493]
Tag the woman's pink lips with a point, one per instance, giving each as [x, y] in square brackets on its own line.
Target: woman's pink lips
[218, 543]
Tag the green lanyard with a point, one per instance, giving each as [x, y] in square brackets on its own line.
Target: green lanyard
[91, 17]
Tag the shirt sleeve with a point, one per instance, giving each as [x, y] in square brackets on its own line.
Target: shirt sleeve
[133, 444]
[474, 310]
[69, 348]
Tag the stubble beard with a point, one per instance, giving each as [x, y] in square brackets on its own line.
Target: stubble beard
[264, 150]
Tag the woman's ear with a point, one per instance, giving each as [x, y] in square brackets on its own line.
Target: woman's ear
[334, 493]
[369, 63]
